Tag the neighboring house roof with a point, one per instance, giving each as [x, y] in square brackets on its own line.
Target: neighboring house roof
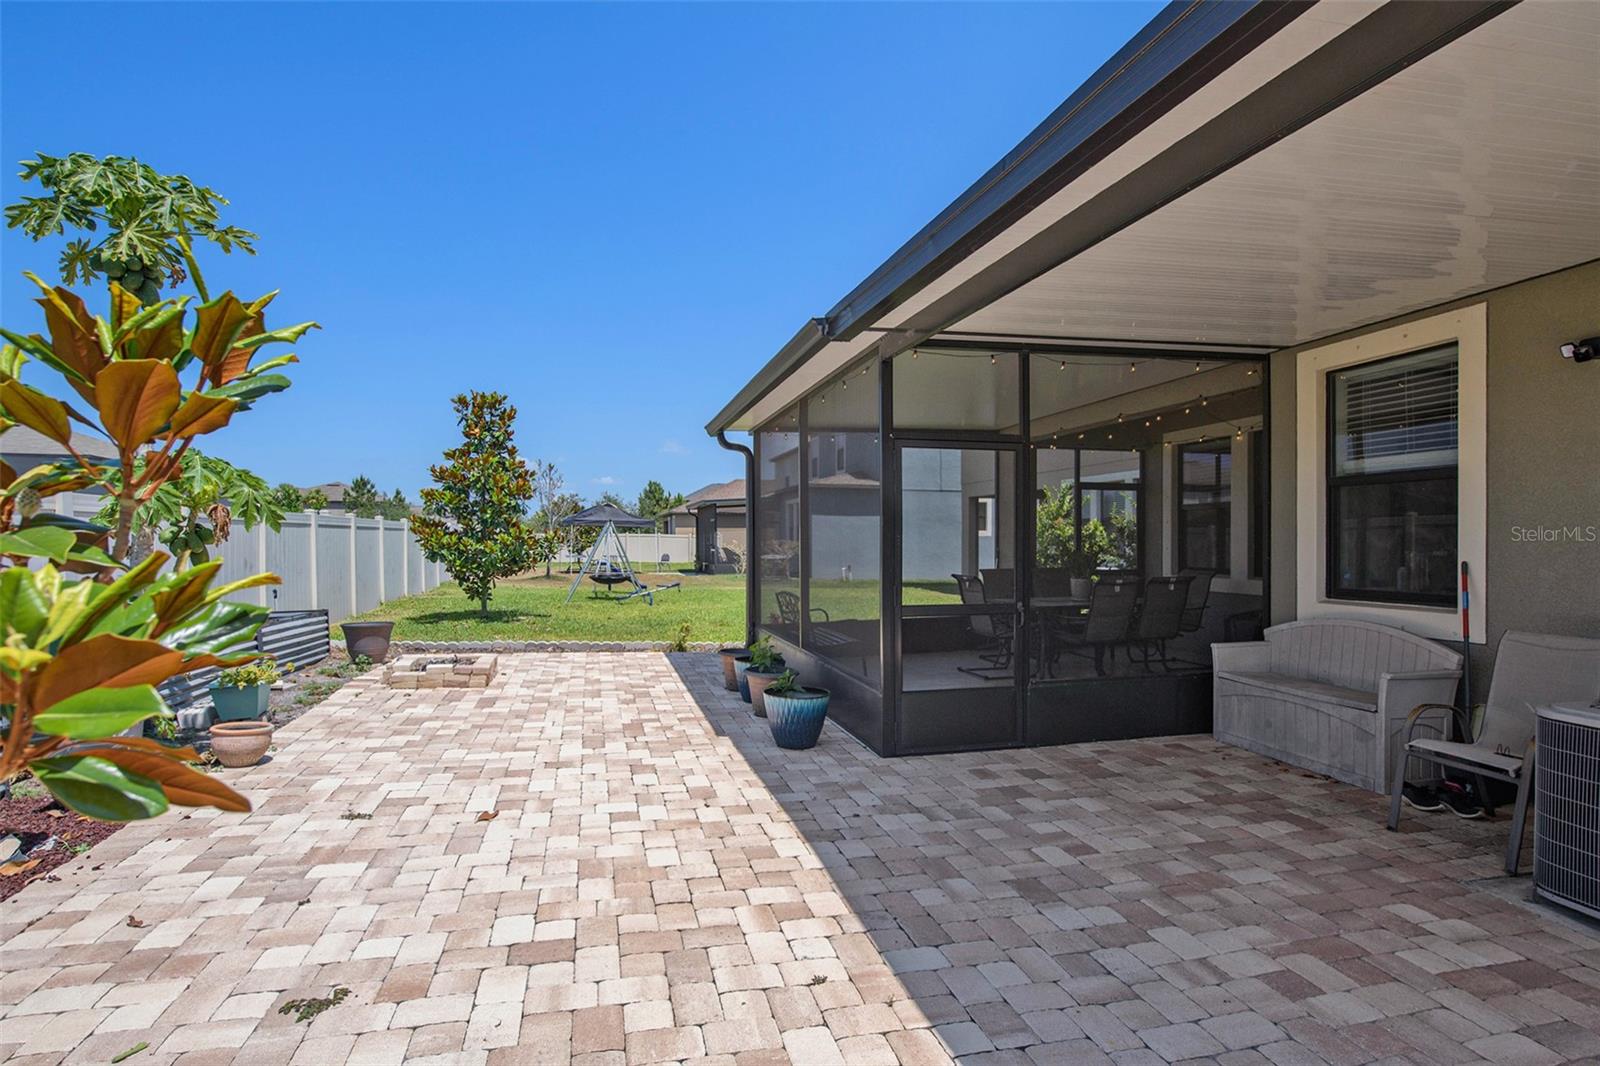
[333, 490]
[721, 492]
[33, 448]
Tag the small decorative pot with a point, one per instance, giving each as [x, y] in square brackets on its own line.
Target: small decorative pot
[368, 638]
[741, 664]
[240, 744]
[236, 703]
[758, 680]
[730, 680]
[796, 716]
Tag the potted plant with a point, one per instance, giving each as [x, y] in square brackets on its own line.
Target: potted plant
[764, 667]
[795, 712]
[730, 677]
[240, 744]
[761, 651]
[242, 692]
[369, 639]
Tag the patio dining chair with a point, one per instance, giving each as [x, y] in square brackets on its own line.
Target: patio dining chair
[1160, 617]
[995, 631]
[1531, 670]
[1111, 609]
[999, 585]
[1194, 607]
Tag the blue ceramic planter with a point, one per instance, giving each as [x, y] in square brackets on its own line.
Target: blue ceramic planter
[234, 704]
[741, 663]
[796, 717]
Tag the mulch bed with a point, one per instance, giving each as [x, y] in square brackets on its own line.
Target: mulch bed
[31, 815]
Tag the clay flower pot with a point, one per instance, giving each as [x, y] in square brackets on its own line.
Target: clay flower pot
[758, 680]
[240, 744]
[796, 716]
[730, 680]
[367, 638]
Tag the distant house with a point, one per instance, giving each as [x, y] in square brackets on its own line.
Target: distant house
[334, 491]
[715, 514]
[22, 449]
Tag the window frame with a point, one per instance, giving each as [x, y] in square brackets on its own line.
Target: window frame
[1332, 482]
[1226, 506]
[1467, 327]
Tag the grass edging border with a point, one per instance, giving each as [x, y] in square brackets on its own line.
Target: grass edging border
[547, 645]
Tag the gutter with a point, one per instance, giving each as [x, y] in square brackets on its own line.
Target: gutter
[751, 608]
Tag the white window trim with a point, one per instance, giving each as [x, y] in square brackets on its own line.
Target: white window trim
[1467, 328]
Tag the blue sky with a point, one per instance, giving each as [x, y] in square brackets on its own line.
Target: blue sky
[613, 213]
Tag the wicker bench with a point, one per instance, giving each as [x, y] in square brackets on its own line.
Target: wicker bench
[1330, 695]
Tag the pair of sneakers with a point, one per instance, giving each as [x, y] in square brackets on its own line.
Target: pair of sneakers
[1457, 798]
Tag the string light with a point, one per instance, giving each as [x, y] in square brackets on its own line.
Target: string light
[1063, 364]
[1119, 417]
[991, 359]
[1197, 366]
[1133, 368]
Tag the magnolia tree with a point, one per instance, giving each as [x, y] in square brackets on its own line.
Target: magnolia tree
[472, 521]
[82, 655]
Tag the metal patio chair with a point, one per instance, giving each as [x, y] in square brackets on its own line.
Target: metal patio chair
[1194, 608]
[1160, 617]
[997, 631]
[1531, 670]
[1111, 609]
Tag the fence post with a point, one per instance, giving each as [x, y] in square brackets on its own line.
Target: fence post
[355, 574]
[405, 556]
[382, 578]
[311, 556]
[261, 552]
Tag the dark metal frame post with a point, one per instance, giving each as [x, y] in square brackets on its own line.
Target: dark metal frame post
[751, 604]
[888, 563]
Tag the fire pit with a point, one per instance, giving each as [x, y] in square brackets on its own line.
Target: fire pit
[436, 670]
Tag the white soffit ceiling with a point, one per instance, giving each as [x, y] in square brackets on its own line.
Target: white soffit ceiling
[1477, 167]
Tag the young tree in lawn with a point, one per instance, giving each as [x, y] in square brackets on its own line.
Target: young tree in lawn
[472, 521]
[362, 498]
[553, 505]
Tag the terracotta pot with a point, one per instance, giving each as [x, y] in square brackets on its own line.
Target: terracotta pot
[758, 681]
[368, 638]
[730, 680]
[240, 744]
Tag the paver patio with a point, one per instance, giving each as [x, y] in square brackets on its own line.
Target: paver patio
[658, 882]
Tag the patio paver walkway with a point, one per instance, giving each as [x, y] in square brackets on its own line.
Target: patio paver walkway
[603, 859]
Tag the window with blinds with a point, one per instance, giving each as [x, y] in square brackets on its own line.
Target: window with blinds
[1392, 512]
[1398, 414]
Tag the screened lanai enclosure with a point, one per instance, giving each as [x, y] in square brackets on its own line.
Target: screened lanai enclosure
[976, 547]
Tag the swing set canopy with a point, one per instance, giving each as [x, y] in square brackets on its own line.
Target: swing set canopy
[602, 513]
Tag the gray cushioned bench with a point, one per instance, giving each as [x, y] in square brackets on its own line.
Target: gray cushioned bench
[1330, 695]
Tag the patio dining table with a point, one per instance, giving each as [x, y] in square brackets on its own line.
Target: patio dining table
[1060, 607]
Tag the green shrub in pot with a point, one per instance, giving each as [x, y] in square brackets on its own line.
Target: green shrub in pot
[243, 692]
[766, 666]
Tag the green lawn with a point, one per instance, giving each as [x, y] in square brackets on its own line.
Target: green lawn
[531, 609]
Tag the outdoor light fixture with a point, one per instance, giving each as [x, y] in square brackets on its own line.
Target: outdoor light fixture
[1581, 351]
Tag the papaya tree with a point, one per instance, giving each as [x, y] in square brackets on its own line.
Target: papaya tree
[141, 223]
[85, 637]
[195, 512]
[472, 518]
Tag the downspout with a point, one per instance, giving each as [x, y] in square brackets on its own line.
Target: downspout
[751, 609]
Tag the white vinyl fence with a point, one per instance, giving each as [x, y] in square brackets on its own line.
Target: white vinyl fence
[333, 562]
[646, 549]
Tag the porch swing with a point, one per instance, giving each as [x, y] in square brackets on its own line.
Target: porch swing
[606, 564]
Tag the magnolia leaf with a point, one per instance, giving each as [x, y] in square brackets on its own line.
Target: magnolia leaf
[22, 609]
[125, 306]
[185, 753]
[182, 785]
[36, 347]
[100, 712]
[73, 335]
[17, 661]
[119, 594]
[42, 414]
[252, 388]
[162, 339]
[100, 788]
[136, 398]
[217, 325]
[201, 413]
[186, 592]
[106, 661]
[38, 542]
[286, 335]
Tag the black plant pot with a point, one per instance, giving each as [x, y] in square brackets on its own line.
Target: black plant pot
[370, 639]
